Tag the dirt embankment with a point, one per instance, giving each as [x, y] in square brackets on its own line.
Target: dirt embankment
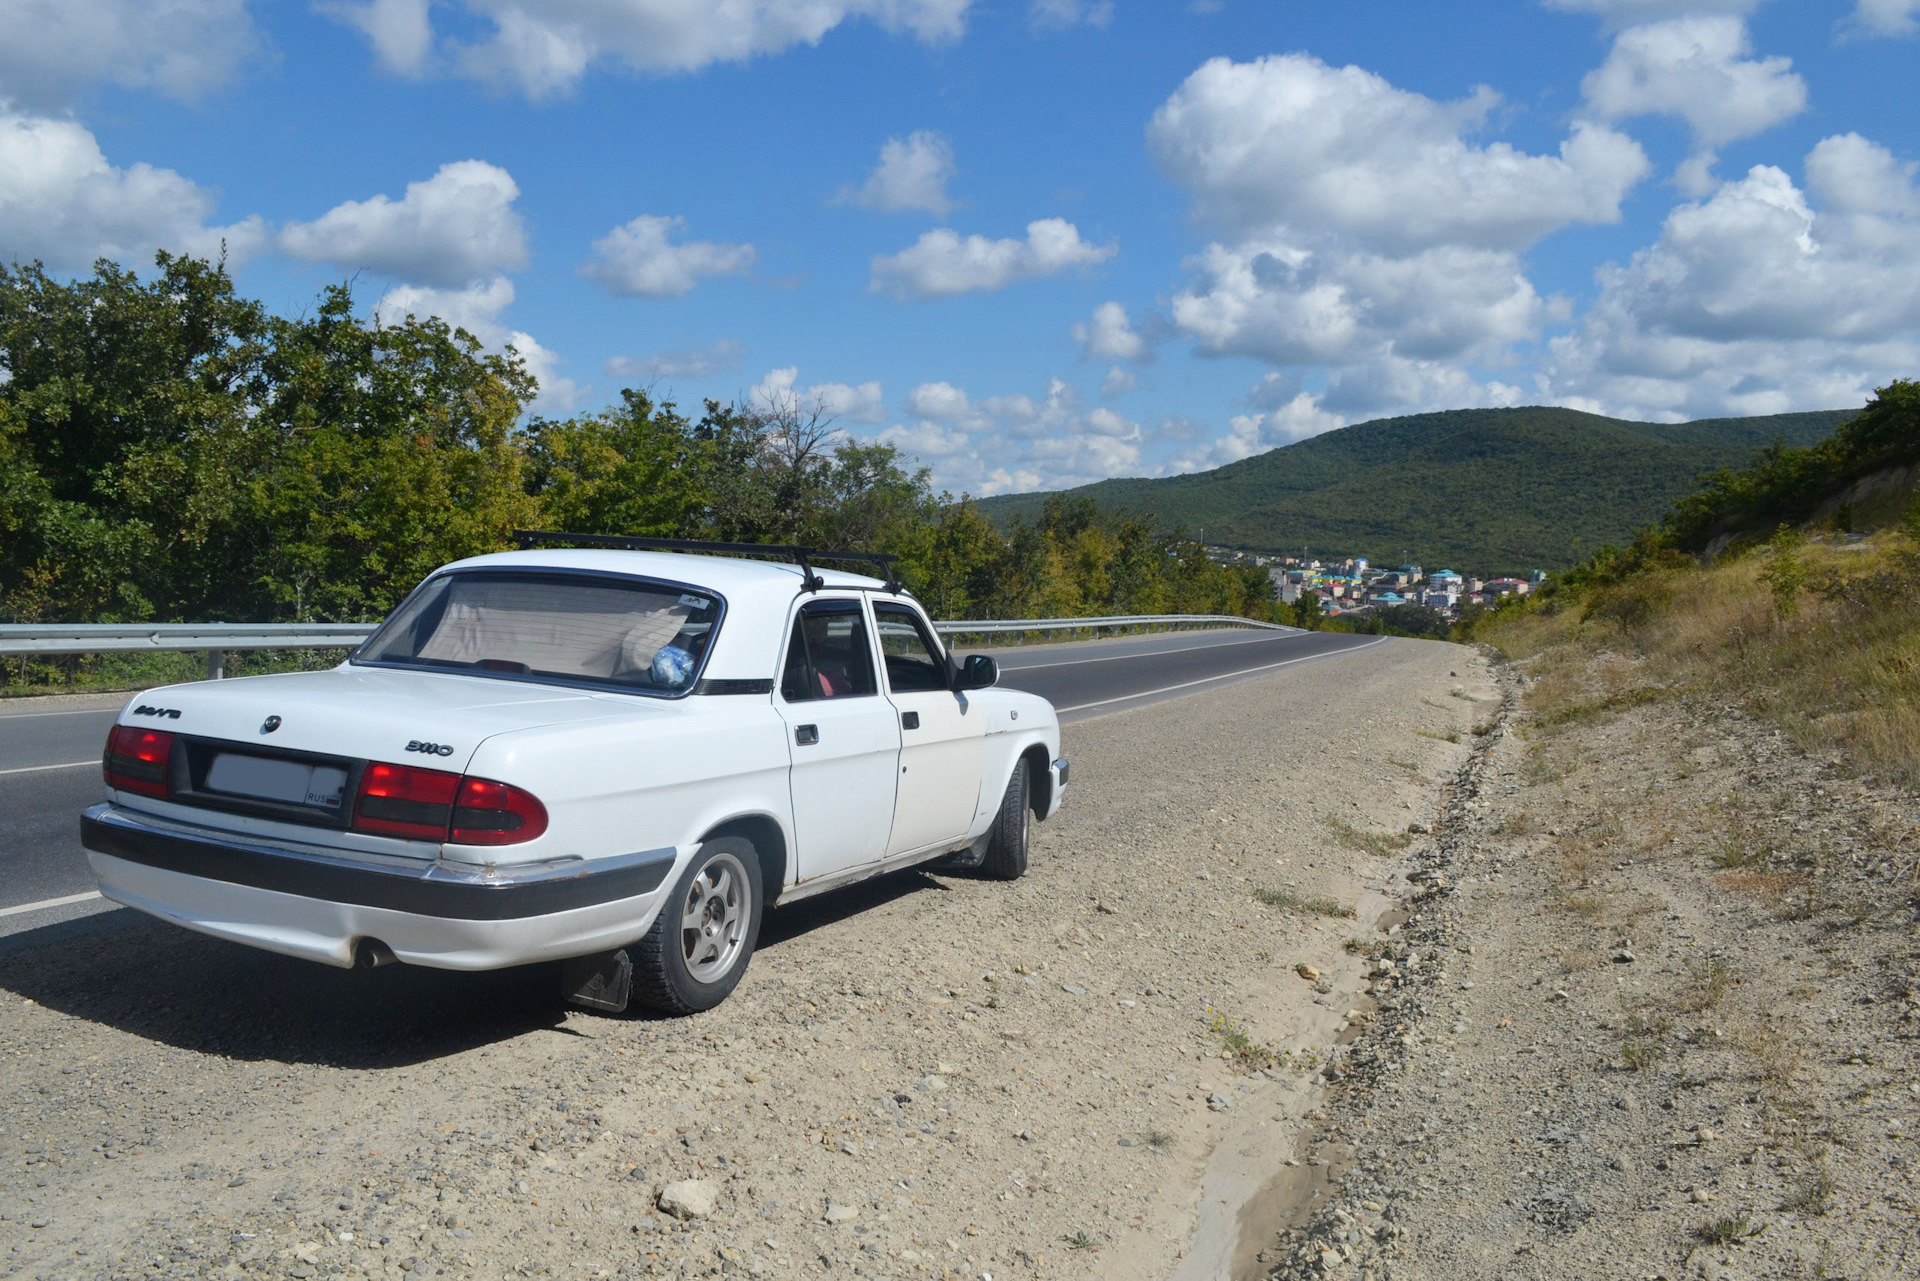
[1083, 1074]
[1658, 1015]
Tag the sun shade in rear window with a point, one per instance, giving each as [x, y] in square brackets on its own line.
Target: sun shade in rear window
[573, 628]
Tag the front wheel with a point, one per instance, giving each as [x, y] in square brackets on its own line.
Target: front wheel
[1006, 858]
[700, 943]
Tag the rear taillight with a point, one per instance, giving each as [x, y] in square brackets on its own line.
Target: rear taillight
[490, 813]
[136, 760]
[399, 800]
[433, 805]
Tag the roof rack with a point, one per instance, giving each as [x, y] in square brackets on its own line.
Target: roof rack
[801, 556]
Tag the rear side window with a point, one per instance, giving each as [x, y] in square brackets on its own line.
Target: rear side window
[830, 655]
[570, 628]
[913, 664]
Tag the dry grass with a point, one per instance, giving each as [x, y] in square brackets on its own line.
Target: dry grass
[1773, 886]
[1707, 985]
[1305, 904]
[1381, 843]
[1777, 1053]
[1840, 671]
[1519, 821]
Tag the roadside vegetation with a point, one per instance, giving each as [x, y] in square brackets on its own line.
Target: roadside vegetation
[1791, 589]
[173, 451]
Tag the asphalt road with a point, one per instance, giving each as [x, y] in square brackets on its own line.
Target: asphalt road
[50, 748]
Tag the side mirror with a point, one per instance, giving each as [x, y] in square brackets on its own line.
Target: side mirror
[979, 672]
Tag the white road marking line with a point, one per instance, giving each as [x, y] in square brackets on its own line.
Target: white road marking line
[46, 903]
[85, 711]
[1150, 653]
[35, 769]
[1149, 693]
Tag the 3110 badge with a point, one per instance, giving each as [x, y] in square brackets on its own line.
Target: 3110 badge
[431, 749]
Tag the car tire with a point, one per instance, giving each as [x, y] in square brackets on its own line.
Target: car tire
[702, 939]
[1006, 858]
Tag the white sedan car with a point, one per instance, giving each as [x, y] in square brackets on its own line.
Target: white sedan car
[612, 757]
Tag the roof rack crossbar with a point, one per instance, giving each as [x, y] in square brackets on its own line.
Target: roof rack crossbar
[802, 556]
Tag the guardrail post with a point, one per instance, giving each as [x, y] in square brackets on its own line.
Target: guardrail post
[216, 664]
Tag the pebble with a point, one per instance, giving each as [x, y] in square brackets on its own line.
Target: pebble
[1218, 1102]
[1307, 972]
[690, 1198]
[838, 1213]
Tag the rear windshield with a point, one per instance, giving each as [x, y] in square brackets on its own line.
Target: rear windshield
[558, 627]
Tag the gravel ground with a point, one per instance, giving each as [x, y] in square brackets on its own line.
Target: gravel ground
[1656, 1015]
[1103, 1070]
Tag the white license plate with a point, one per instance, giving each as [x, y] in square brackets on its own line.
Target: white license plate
[265, 779]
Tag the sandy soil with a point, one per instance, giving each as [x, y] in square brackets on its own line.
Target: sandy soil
[1657, 1014]
[1103, 1070]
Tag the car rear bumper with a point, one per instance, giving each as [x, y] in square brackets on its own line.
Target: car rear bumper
[307, 903]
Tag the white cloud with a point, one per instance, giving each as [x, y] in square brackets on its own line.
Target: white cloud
[1109, 335]
[924, 440]
[638, 259]
[400, 31]
[1366, 237]
[721, 356]
[63, 203]
[53, 50]
[1016, 441]
[448, 230]
[1764, 298]
[1890, 19]
[1057, 15]
[941, 401]
[1290, 141]
[1334, 305]
[912, 174]
[1118, 382]
[941, 263]
[780, 390]
[476, 308]
[1696, 68]
[544, 47]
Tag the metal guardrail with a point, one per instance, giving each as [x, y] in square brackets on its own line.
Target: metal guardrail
[215, 639]
[95, 638]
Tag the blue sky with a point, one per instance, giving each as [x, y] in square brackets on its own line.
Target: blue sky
[1032, 242]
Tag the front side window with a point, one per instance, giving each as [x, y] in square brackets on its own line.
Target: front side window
[829, 655]
[569, 628]
[912, 661]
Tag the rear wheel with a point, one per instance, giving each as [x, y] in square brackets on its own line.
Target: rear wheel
[700, 943]
[1006, 858]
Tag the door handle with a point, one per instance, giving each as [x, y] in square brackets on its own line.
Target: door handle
[806, 735]
[909, 720]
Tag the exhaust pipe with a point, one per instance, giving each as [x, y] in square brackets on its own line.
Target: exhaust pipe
[372, 954]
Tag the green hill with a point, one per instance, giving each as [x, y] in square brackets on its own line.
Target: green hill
[1487, 490]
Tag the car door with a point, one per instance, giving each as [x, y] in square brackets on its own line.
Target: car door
[942, 733]
[843, 738]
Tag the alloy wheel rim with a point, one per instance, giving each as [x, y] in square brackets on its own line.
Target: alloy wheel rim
[713, 918]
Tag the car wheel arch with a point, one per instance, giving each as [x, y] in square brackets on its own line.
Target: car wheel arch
[769, 841]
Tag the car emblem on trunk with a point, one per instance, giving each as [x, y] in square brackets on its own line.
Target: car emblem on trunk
[270, 724]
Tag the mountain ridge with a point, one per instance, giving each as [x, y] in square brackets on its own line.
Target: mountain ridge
[1495, 490]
